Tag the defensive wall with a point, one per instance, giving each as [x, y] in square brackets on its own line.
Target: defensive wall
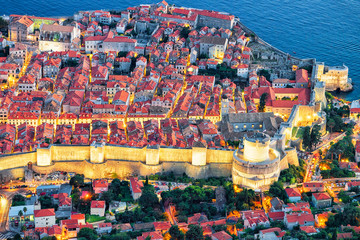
[100, 161]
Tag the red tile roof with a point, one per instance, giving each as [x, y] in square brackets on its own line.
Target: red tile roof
[97, 204]
[44, 212]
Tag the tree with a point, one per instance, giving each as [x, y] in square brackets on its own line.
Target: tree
[315, 135]
[277, 190]
[148, 197]
[107, 196]
[331, 124]
[306, 137]
[77, 180]
[175, 233]
[87, 233]
[3, 23]
[195, 232]
[120, 236]
[262, 103]
[20, 213]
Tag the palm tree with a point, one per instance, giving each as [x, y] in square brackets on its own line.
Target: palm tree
[24, 210]
[20, 213]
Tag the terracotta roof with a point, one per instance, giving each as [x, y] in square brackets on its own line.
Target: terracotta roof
[321, 196]
[293, 192]
[44, 212]
[97, 204]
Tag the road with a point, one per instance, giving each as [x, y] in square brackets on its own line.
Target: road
[5, 204]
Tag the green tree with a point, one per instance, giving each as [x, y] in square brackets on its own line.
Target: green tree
[77, 180]
[148, 197]
[307, 138]
[88, 233]
[120, 236]
[195, 232]
[262, 103]
[277, 190]
[107, 196]
[315, 136]
[331, 124]
[175, 233]
[21, 214]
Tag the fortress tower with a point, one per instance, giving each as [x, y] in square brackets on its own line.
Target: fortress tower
[257, 164]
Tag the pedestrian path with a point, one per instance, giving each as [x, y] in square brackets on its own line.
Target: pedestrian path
[7, 235]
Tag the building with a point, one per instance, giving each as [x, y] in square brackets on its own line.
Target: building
[100, 186]
[28, 215]
[313, 187]
[271, 234]
[302, 219]
[214, 19]
[256, 164]
[97, 208]
[321, 200]
[242, 70]
[44, 217]
[334, 77]
[20, 28]
[293, 194]
[213, 47]
[57, 37]
[135, 187]
[222, 235]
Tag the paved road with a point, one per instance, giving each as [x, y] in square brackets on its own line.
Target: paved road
[5, 204]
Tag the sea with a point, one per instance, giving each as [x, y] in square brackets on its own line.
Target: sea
[326, 30]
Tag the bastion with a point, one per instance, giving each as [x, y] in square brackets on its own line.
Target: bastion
[256, 164]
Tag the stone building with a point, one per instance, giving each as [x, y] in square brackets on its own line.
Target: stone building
[334, 77]
[214, 47]
[57, 37]
[256, 164]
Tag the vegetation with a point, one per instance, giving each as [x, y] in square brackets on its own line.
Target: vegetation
[294, 174]
[343, 149]
[77, 180]
[311, 137]
[262, 103]
[175, 233]
[18, 200]
[344, 197]
[243, 200]
[149, 210]
[265, 73]
[195, 232]
[350, 215]
[93, 218]
[46, 202]
[277, 190]
[87, 233]
[336, 172]
[193, 199]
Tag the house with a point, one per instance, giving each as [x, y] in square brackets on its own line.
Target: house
[104, 228]
[276, 204]
[321, 200]
[293, 194]
[135, 187]
[242, 70]
[302, 219]
[100, 186]
[197, 219]
[153, 236]
[313, 187]
[44, 217]
[271, 234]
[222, 235]
[97, 208]
[310, 230]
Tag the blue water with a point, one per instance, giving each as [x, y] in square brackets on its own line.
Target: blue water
[326, 30]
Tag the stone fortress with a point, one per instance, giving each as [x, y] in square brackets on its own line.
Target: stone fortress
[256, 164]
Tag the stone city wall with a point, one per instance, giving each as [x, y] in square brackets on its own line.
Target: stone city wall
[99, 161]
